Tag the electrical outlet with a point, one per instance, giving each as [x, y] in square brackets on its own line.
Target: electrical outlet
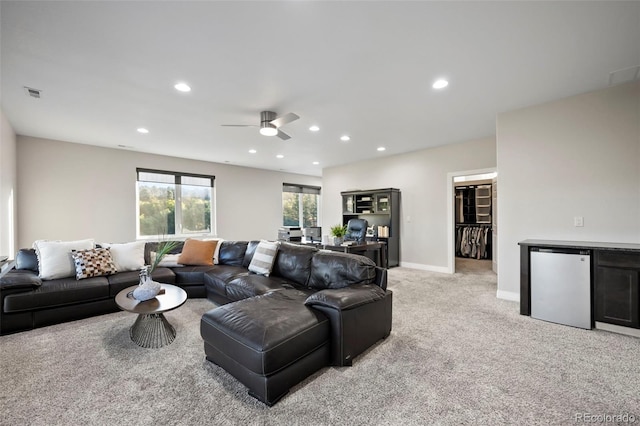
[578, 221]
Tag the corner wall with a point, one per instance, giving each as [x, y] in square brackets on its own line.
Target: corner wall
[422, 178]
[578, 156]
[8, 182]
[72, 191]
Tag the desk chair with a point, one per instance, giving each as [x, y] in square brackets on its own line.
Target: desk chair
[356, 230]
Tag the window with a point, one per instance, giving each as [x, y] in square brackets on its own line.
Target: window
[300, 205]
[177, 204]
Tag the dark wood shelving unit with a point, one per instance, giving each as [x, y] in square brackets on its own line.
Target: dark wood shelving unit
[381, 209]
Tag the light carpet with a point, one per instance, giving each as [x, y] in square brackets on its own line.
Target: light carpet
[456, 355]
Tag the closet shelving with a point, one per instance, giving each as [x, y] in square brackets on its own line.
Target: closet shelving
[474, 221]
[483, 204]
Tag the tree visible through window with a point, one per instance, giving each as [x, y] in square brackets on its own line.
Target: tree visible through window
[300, 205]
[174, 203]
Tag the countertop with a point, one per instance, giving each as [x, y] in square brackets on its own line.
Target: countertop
[581, 245]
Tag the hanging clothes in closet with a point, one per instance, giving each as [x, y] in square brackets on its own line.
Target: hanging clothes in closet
[473, 241]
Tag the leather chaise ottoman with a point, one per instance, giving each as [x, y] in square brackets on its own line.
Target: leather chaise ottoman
[269, 342]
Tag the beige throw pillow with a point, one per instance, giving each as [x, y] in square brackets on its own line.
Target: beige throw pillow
[197, 252]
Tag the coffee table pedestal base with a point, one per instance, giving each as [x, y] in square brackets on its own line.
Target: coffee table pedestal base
[152, 331]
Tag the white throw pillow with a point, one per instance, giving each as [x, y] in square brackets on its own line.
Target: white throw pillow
[167, 261]
[127, 256]
[54, 257]
[217, 250]
[264, 257]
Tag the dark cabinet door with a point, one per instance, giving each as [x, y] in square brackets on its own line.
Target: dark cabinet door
[617, 296]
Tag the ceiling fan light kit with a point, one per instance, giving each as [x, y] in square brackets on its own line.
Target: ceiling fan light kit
[266, 127]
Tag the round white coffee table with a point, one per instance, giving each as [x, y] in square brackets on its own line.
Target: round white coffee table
[151, 329]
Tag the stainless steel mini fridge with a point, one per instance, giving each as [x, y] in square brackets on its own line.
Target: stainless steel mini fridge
[561, 286]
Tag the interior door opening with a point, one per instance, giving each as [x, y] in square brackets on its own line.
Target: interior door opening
[473, 222]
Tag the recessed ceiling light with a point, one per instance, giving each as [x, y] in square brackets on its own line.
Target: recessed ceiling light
[252, 151]
[440, 84]
[315, 163]
[182, 87]
[314, 128]
[345, 138]
[279, 156]
[143, 130]
[381, 148]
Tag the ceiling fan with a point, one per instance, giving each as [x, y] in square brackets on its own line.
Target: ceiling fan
[270, 124]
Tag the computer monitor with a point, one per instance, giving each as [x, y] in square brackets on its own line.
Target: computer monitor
[313, 233]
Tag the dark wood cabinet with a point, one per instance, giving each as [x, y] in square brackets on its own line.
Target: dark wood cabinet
[381, 209]
[616, 288]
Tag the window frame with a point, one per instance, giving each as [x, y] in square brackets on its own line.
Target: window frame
[177, 177]
[301, 190]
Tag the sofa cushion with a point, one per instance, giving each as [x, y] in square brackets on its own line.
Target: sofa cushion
[54, 257]
[127, 256]
[60, 292]
[294, 262]
[216, 280]
[191, 275]
[266, 333]
[232, 253]
[264, 257]
[93, 263]
[196, 252]
[248, 255]
[250, 285]
[26, 259]
[338, 270]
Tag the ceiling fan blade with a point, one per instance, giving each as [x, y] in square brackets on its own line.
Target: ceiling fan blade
[282, 135]
[287, 118]
[239, 125]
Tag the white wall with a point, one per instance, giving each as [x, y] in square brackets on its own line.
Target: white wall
[8, 208]
[578, 156]
[71, 191]
[422, 179]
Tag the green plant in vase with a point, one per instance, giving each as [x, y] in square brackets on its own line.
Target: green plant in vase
[147, 288]
[338, 232]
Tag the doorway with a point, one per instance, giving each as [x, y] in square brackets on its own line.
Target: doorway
[472, 221]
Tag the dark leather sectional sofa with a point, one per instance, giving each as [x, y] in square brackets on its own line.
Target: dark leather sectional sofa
[315, 309]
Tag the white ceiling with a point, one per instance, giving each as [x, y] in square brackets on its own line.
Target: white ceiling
[359, 68]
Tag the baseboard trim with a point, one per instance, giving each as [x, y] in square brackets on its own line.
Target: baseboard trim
[431, 268]
[618, 329]
[508, 295]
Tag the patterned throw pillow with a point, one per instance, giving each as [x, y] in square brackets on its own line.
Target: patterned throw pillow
[264, 257]
[93, 263]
